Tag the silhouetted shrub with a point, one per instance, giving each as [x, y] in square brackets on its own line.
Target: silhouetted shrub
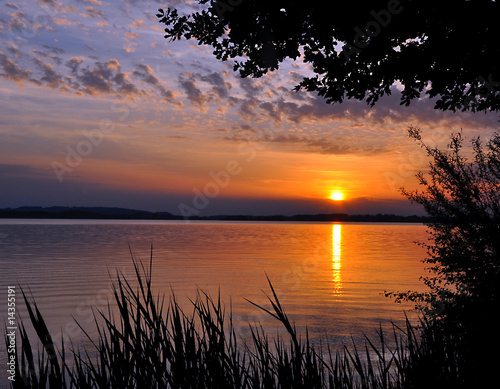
[462, 197]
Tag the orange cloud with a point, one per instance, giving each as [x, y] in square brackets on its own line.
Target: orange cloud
[62, 22]
[131, 35]
[138, 24]
[129, 48]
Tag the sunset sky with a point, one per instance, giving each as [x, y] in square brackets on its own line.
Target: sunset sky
[98, 109]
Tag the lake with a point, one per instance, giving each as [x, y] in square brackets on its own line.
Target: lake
[329, 277]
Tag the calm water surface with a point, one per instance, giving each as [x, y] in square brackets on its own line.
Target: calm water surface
[330, 277]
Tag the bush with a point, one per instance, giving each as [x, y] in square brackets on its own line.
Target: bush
[462, 197]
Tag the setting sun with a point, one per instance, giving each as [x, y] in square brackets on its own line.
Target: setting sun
[337, 196]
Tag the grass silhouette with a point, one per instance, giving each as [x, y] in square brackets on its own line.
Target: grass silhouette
[152, 343]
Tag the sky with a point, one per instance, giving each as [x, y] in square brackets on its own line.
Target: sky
[98, 109]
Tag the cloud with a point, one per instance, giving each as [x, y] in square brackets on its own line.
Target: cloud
[73, 63]
[269, 97]
[106, 78]
[219, 86]
[51, 3]
[187, 82]
[131, 35]
[95, 13]
[251, 87]
[102, 23]
[50, 69]
[170, 3]
[57, 6]
[56, 59]
[14, 51]
[336, 145]
[146, 74]
[96, 80]
[272, 112]
[54, 50]
[129, 48]
[16, 23]
[388, 111]
[295, 77]
[214, 86]
[247, 107]
[138, 24]
[113, 64]
[151, 16]
[91, 2]
[50, 77]
[12, 72]
[62, 22]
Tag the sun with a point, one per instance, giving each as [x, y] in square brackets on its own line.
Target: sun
[337, 196]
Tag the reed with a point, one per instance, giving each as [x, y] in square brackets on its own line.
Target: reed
[154, 343]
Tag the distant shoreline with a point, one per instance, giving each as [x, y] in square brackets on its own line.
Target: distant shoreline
[108, 213]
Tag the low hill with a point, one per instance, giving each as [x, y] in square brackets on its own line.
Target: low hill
[133, 214]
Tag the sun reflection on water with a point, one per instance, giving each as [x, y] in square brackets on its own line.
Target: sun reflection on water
[336, 258]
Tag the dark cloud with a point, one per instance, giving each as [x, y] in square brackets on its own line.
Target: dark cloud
[52, 3]
[73, 63]
[188, 83]
[296, 77]
[96, 79]
[219, 86]
[71, 83]
[14, 51]
[215, 86]
[56, 59]
[134, 2]
[290, 93]
[16, 23]
[271, 111]
[251, 87]
[247, 107]
[50, 77]
[95, 13]
[54, 50]
[106, 78]
[145, 73]
[12, 72]
[91, 2]
[254, 91]
[169, 95]
[387, 111]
